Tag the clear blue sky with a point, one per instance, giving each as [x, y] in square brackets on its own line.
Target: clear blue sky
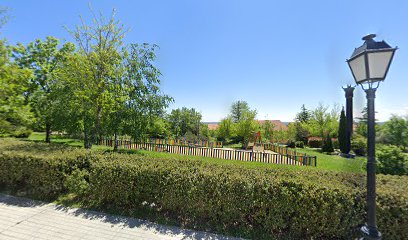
[276, 55]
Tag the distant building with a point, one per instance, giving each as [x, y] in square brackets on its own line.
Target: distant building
[278, 125]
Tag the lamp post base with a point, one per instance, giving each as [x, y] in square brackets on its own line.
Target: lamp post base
[370, 233]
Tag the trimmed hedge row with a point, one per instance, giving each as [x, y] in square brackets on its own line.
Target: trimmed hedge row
[256, 202]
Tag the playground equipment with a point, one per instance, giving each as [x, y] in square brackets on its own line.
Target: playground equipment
[255, 143]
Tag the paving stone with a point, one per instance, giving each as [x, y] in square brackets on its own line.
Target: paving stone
[22, 218]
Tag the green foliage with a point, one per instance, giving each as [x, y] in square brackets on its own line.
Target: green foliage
[109, 89]
[315, 143]
[342, 134]
[183, 120]
[327, 145]
[22, 132]
[14, 111]
[300, 144]
[3, 16]
[323, 122]
[391, 160]
[395, 131]
[78, 182]
[291, 144]
[246, 126]
[238, 110]
[255, 203]
[268, 131]
[359, 145]
[225, 130]
[45, 59]
[304, 116]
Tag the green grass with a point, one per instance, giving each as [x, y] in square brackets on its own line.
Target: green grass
[335, 162]
[324, 161]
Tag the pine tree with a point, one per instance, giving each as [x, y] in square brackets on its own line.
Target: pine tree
[342, 134]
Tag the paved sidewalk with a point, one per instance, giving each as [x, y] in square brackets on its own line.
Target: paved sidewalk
[22, 218]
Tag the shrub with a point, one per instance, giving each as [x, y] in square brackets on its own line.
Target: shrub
[253, 202]
[327, 145]
[336, 144]
[391, 160]
[291, 144]
[22, 132]
[315, 143]
[300, 144]
[359, 145]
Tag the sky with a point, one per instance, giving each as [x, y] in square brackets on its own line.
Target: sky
[276, 55]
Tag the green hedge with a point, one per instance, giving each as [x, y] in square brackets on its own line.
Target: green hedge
[256, 202]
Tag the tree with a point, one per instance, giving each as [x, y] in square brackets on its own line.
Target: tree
[238, 110]
[323, 121]
[327, 144]
[143, 101]
[45, 59]
[184, 120]
[3, 16]
[225, 129]
[15, 113]
[304, 115]
[110, 89]
[246, 126]
[342, 134]
[395, 131]
[268, 130]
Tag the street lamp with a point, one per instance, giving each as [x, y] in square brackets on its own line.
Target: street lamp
[369, 65]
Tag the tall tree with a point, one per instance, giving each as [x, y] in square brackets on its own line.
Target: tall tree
[238, 110]
[301, 120]
[14, 110]
[45, 59]
[100, 59]
[143, 102]
[344, 143]
[304, 115]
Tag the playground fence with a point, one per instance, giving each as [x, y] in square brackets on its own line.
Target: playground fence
[288, 157]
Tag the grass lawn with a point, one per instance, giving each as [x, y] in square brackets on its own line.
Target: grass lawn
[324, 161]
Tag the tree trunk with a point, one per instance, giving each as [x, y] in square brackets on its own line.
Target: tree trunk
[47, 132]
[115, 145]
[87, 140]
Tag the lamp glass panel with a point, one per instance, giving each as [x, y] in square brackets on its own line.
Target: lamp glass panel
[357, 66]
[378, 63]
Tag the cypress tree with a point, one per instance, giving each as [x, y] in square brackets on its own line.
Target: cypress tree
[342, 134]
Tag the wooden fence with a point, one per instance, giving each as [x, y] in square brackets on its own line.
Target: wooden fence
[240, 155]
[110, 142]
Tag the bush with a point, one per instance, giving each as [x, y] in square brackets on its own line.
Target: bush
[359, 145]
[391, 160]
[327, 145]
[291, 144]
[22, 132]
[251, 202]
[315, 143]
[300, 144]
[336, 144]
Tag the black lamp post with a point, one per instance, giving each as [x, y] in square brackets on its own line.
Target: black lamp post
[369, 65]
